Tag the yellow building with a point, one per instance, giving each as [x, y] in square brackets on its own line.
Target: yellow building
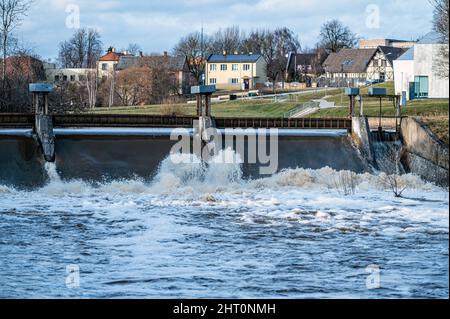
[236, 71]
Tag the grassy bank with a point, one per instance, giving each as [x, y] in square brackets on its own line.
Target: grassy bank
[240, 108]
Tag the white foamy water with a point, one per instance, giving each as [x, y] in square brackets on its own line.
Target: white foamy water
[201, 230]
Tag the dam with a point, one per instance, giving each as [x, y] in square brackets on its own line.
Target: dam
[97, 154]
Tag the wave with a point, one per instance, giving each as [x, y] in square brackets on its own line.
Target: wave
[186, 173]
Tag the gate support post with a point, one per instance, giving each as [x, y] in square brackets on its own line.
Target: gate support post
[43, 121]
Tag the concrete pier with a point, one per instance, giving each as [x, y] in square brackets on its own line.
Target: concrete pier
[43, 127]
[45, 136]
[362, 136]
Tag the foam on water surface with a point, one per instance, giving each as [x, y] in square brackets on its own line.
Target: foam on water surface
[202, 229]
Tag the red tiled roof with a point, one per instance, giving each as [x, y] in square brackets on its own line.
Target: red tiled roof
[112, 56]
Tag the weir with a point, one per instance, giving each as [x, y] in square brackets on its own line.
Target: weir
[123, 146]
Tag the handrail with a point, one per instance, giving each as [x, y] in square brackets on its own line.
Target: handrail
[300, 108]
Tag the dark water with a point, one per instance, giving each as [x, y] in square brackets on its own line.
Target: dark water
[190, 230]
[104, 158]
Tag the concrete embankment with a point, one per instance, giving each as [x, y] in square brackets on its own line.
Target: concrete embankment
[419, 151]
[424, 154]
[362, 137]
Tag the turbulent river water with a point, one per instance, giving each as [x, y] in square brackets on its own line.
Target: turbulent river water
[198, 230]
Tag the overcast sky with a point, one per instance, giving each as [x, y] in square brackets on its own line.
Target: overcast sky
[157, 25]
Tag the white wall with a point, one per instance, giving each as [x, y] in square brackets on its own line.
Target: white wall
[425, 59]
[403, 75]
[51, 73]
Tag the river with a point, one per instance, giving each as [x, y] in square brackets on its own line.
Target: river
[196, 231]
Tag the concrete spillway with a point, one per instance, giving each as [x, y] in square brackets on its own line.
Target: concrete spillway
[99, 155]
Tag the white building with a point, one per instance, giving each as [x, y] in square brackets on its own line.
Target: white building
[55, 75]
[236, 71]
[417, 73]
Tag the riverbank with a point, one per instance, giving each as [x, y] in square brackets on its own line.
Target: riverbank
[433, 112]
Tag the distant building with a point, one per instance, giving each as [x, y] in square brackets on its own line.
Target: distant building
[375, 43]
[303, 67]
[417, 71]
[236, 71]
[74, 75]
[362, 65]
[106, 65]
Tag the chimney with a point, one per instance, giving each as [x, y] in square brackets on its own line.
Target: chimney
[113, 50]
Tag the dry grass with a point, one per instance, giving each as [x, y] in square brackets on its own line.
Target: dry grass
[439, 126]
[172, 109]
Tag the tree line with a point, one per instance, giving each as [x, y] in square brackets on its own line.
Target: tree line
[152, 80]
[274, 45]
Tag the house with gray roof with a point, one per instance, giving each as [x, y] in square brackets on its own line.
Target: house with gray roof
[420, 72]
[362, 65]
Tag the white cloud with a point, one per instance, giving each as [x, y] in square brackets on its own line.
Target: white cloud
[156, 25]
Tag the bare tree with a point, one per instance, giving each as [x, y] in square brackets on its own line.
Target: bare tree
[440, 22]
[286, 42]
[133, 49]
[392, 166]
[12, 13]
[90, 81]
[269, 53]
[134, 86]
[346, 183]
[253, 43]
[335, 36]
[195, 47]
[82, 50]
[227, 40]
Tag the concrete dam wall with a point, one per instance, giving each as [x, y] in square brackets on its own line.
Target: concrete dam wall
[103, 157]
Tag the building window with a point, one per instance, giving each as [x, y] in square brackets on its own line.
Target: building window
[72, 78]
[421, 87]
[65, 78]
[57, 78]
[234, 81]
[104, 66]
[212, 81]
[82, 77]
[235, 67]
[213, 67]
[246, 67]
[223, 67]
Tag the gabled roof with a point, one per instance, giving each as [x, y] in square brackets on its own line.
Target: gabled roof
[111, 56]
[392, 53]
[234, 58]
[126, 62]
[349, 60]
[407, 56]
[431, 38]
